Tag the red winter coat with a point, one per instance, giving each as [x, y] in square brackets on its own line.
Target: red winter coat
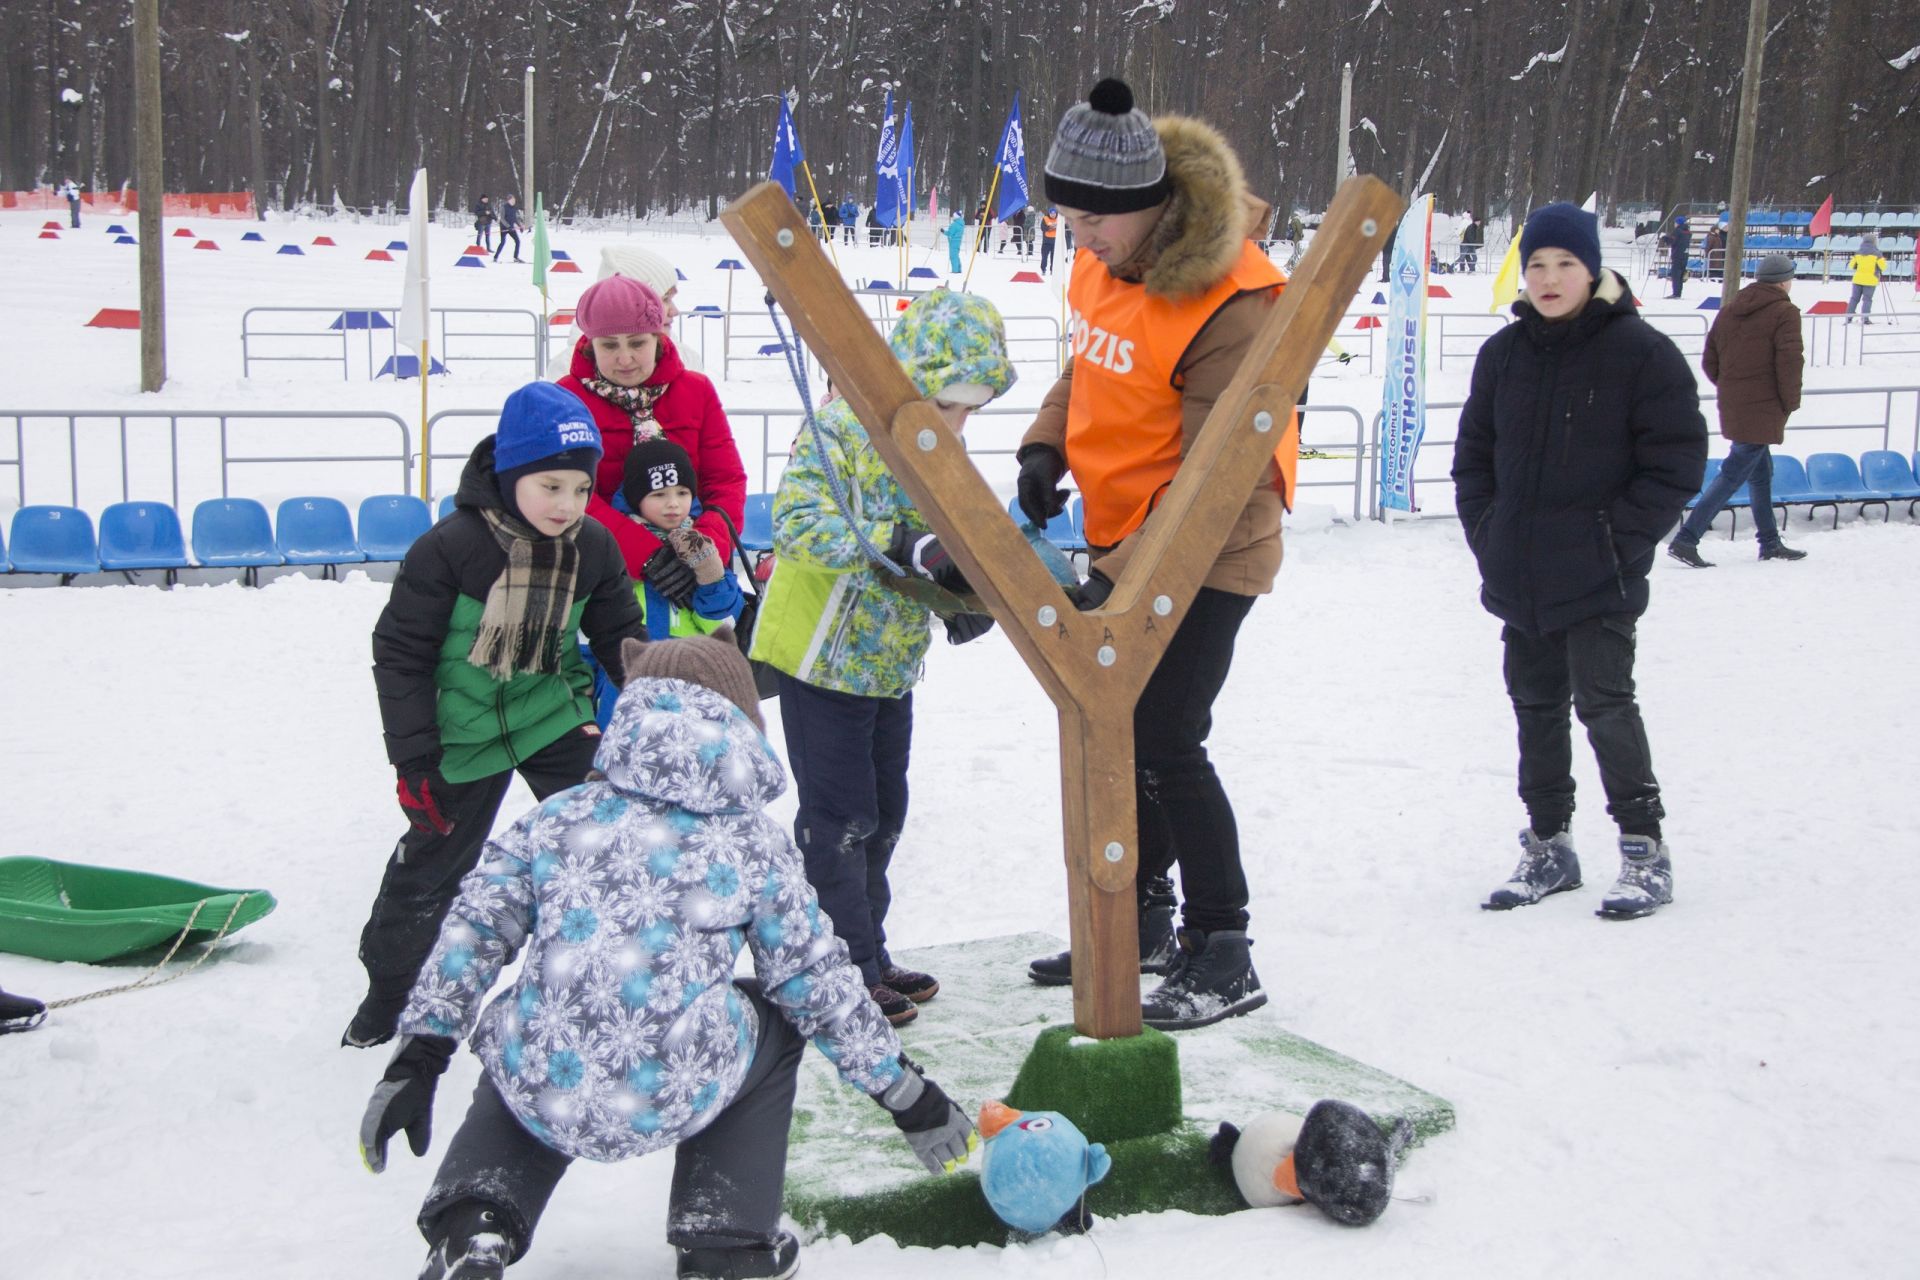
[690, 413]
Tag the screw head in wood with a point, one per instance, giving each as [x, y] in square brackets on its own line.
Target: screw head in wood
[1163, 605]
[926, 440]
[784, 237]
[1114, 852]
[1107, 656]
[1368, 227]
[1048, 615]
[1263, 422]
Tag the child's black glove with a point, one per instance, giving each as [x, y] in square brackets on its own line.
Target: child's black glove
[671, 576]
[404, 1098]
[1092, 593]
[422, 790]
[918, 551]
[937, 1130]
[1041, 467]
[962, 627]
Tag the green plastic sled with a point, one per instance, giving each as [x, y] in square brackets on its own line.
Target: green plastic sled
[69, 911]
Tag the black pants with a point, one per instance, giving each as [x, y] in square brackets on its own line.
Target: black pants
[1046, 254]
[423, 875]
[504, 233]
[483, 232]
[727, 1179]
[848, 755]
[1185, 817]
[1590, 666]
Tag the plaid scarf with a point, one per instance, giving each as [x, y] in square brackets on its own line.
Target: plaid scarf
[524, 621]
[637, 401]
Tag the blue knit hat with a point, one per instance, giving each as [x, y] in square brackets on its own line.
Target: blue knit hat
[1563, 226]
[543, 421]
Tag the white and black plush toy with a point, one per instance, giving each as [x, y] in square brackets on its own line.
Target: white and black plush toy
[1336, 1159]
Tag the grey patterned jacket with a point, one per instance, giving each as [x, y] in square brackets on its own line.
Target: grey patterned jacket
[624, 1032]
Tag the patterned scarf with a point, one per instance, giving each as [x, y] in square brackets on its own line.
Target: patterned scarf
[524, 622]
[637, 401]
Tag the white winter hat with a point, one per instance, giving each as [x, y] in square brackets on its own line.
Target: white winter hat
[638, 263]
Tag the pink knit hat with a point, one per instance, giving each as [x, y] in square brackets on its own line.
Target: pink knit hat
[619, 305]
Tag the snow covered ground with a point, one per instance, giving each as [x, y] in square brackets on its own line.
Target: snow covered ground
[1723, 1089]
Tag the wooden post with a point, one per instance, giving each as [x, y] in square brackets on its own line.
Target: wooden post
[1743, 152]
[152, 185]
[1092, 665]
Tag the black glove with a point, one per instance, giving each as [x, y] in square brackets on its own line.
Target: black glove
[1092, 593]
[1041, 467]
[937, 1130]
[918, 551]
[421, 791]
[404, 1098]
[962, 627]
[671, 576]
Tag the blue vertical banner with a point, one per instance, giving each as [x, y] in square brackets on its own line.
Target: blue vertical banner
[886, 170]
[1011, 159]
[1403, 398]
[787, 155]
[906, 164]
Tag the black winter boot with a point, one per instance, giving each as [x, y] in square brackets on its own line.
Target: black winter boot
[774, 1260]
[1688, 553]
[1212, 978]
[1780, 551]
[1157, 947]
[470, 1242]
[1646, 880]
[1546, 867]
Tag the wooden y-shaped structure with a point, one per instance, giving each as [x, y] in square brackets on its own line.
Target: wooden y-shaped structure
[1093, 665]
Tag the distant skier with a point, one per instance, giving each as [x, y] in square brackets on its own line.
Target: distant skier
[483, 221]
[70, 192]
[956, 232]
[509, 226]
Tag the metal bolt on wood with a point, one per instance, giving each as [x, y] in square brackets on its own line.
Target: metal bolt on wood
[1047, 615]
[926, 440]
[1263, 422]
[1163, 605]
[1114, 851]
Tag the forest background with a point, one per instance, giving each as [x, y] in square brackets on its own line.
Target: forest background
[666, 107]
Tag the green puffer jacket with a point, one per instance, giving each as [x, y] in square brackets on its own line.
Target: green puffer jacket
[440, 710]
[828, 618]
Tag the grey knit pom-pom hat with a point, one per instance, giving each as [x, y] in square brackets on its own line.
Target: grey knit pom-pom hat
[1106, 155]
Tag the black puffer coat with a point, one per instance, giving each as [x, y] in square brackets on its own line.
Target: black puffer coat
[1579, 446]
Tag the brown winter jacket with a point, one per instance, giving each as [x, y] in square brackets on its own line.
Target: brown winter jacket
[1192, 247]
[1753, 356]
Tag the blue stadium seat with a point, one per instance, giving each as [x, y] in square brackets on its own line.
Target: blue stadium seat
[5, 564]
[54, 540]
[1885, 470]
[389, 522]
[316, 531]
[756, 530]
[234, 533]
[1711, 474]
[446, 506]
[142, 535]
[1060, 530]
[1838, 476]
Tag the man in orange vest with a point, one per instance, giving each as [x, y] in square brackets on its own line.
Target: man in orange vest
[1049, 228]
[1168, 291]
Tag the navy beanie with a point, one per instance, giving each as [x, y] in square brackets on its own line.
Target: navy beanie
[543, 421]
[1563, 226]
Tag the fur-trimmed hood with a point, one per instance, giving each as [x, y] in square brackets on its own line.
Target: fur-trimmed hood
[1208, 216]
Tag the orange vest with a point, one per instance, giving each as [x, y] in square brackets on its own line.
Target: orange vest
[1049, 224]
[1123, 419]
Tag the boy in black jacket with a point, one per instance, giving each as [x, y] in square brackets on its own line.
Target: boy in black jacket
[1579, 445]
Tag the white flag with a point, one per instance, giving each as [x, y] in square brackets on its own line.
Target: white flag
[1592, 205]
[412, 330]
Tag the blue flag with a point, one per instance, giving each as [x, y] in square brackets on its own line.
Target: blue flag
[906, 163]
[886, 167]
[1012, 162]
[1403, 399]
[786, 149]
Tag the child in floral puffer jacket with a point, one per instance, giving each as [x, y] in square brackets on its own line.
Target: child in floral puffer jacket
[625, 1031]
[849, 646]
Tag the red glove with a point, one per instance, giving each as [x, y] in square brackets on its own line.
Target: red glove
[421, 792]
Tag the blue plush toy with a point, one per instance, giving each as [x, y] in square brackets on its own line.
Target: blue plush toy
[1035, 1166]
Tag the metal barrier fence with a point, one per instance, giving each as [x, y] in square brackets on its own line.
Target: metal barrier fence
[139, 456]
[454, 343]
[1884, 424]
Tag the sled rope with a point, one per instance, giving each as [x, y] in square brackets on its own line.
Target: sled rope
[797, 370]
[147, 978]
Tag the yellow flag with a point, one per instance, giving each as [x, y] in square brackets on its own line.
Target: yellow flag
[1506, 285]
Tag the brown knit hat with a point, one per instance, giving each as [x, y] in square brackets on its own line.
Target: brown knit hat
[711, 661]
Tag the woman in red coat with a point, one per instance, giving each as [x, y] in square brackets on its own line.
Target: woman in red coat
[629, 374]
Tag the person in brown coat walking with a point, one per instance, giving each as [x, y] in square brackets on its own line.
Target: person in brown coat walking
[1753, 356]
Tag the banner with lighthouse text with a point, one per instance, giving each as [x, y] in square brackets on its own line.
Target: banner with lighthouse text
[1403, 400]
